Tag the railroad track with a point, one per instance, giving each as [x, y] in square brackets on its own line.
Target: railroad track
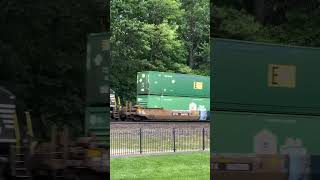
[161, 124]
[155, 121]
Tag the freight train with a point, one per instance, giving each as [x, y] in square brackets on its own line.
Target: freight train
[63, 157]
[267, 111]
[21, 157]
[137, 113]
[163, 96]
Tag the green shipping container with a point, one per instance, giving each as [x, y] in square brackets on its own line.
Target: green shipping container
[173, 103]
[172, 84]
[98, 123]
[98, 61]
[260, 77]
[258, 133]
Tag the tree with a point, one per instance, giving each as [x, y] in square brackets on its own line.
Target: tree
[43, 58]
[286, 22]
[150, 35]
[195, 31]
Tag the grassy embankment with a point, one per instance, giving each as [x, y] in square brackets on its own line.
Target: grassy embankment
[180, 166]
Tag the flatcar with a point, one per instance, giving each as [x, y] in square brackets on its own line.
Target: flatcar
[138, 113]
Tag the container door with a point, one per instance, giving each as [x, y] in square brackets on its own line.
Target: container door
[243, 132]
[278, 79]
[98, 56]
[98, 123]
[169, 84]
[142, 83]
[198, 87]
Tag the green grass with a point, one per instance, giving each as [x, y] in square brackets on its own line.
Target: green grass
[186, 166]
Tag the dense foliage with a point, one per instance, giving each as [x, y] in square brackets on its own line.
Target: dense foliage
[43, 43]
[287, 22]
[42, 58]
[157, 35]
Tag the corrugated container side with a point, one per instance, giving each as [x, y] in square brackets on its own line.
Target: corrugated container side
[172, 84]
[97, 77]
[265, 78]
[246, 133]
[98, 123]
[173, 103]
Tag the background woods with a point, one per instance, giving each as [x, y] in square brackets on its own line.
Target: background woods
[43, 44]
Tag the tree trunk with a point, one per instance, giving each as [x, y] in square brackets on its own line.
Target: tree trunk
[259, 10]
[190, 58]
